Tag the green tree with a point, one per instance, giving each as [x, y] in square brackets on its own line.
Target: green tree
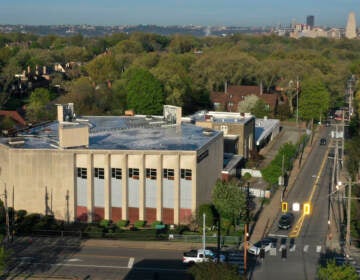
[210, 212]
[314, 99]
[284, 157]
[38, 109]
[337, 272]
[261, 109]
[229, 200]
[214, 271]
[103, 68]
[144, 92]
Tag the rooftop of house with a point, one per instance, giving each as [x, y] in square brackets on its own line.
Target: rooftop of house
[120, 133]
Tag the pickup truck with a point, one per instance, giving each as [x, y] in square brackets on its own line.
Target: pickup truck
[197, 256]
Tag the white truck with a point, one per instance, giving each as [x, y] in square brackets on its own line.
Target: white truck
[197, 256]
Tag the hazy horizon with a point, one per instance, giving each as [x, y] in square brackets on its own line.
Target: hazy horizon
[177, 12]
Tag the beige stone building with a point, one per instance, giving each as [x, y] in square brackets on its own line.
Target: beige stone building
[90, 168]
[238, 130]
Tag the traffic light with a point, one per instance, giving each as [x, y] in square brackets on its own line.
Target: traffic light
[284, 207]
[306, 208]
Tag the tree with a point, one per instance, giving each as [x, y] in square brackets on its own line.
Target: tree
[38, 109]
[103, 68]
[210, 212]
[214, 271]
[247, 105]
[314, 99]
[337, 272]
[261, 109]
[144, 92]
[229, 200]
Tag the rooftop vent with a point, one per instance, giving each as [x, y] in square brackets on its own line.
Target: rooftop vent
[207, 132]
[14, 141]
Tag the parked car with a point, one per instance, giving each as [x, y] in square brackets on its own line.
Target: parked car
[266, 244]
[323, 141]
[286, 221]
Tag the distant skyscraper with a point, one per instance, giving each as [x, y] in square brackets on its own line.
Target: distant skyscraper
[310, 20]
[350, 31]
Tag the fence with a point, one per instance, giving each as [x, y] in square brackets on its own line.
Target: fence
[224, 240]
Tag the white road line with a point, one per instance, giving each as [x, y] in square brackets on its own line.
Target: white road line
[131, 262]
[306, 248]
[318, 249]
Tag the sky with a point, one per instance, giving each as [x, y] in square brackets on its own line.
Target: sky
[177, 12]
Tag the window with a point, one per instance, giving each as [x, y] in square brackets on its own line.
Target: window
[116, 173]
[134, 173]
[186, 174]
[151, 173]
[99, 173]
[169, 174]
[81, 172]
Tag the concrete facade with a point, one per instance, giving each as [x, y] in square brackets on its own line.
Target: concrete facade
[131, 184]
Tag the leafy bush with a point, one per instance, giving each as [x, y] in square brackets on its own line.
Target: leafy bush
[105, 223]
[247, 176]
[122, 223]
[181, 229]
[28, 223]
[156, 223]
[139, 224]
[210, 212]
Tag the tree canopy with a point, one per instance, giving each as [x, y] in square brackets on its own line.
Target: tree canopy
[144, 92]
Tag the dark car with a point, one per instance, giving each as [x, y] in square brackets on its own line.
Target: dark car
[323, 141]
[286, 221]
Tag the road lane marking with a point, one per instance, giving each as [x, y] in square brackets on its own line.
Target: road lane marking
[102, 256]
[131, 262]
[306, 248]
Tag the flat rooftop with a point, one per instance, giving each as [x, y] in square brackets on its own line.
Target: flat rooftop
[221, 117]
[120, 133]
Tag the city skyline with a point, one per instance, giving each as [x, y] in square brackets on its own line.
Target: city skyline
[175, 12]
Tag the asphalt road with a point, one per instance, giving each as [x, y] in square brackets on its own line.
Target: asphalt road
[307, 248]
[51, 257]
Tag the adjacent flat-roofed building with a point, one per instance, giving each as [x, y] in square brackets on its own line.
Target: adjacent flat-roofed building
[137, 168]
[238, 129]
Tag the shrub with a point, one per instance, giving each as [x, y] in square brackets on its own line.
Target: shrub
[181, 229]
[122, 223]
[247, 176]
[105, 223]
[139, 224]
[156, 223]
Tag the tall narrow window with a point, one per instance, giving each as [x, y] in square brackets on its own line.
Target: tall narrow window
[151, 173]
[82, 172]
[99, 173]
[186, 174]
[168, 174]
[134, 173]
[116, 173]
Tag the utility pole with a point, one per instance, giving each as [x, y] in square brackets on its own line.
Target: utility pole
[348, 219]
[246, 226]
[7, 216]
[204, 237]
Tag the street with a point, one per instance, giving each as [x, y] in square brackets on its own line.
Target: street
[69, 258]
[307, 248]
